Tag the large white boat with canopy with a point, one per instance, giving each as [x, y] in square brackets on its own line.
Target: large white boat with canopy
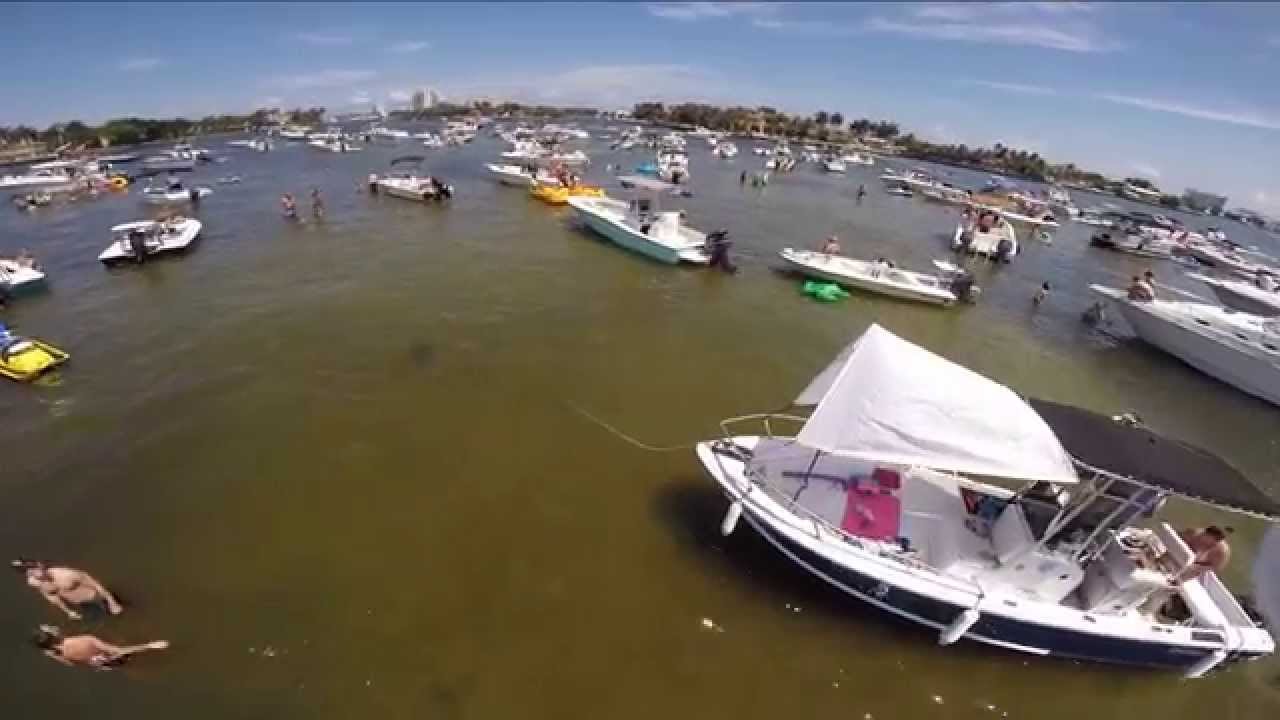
[892, 491]
[641, 225]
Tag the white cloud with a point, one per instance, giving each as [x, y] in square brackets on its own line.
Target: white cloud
[140, 64]
[1248, 118]
[1144, 169]
[360, 98]
[271, 101]
[399, 95]
[1034, 35]
[689, 11]
[323, 39]
[1013, 87]
[409, 46]
[1266, 201]
[321, 79]
[1034, 24]
[604, 86]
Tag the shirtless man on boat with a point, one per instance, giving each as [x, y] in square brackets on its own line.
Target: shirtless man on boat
[1210, 548]
[65, 588]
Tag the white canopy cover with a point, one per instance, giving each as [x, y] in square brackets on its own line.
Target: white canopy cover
[886, 400]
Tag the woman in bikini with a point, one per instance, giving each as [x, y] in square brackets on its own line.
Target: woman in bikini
[88, 650]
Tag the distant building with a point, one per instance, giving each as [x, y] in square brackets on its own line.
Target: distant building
[1204, 202]
[419, 101]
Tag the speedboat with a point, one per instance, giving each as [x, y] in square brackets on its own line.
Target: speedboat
[858, 159]
[46, 178]
[1096, 218]
[412, 184]
[899, 190]
[883, 278]
[886, 480]
[834, 165]
[1138, 245]
[642, 227]
[336, 145]
[1225, 258]
[294, 132]
[726, 150]
[1060, 200]
[25, 359]
[1243, 295]
[558, 194]
[520, 175]
[430, 140]
[171, 160]
[136, 241]
[388, 134]
[1239, 349]
[998, 243]
[18, 276]
[176, 193]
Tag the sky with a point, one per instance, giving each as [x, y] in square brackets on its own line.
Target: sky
[1183, 94]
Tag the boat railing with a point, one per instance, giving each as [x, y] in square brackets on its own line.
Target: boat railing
[764, 420]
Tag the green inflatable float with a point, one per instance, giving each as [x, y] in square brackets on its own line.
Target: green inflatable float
[824, 291]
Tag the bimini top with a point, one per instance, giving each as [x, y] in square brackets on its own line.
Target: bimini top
[1135, 452]
[886, 400]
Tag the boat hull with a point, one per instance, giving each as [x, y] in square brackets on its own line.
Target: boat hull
[1251, 374]
[626, 238]
[869, 285]
[1245, 303]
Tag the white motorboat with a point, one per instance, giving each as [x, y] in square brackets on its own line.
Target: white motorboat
[899, 190]
[1227, 259]
[1046, 220]
[295, 132]
[1242, 295]
[998, 243]
[174, 193]
[49, 178]
[885, 492]
[1060, 200]
[641, 227]
[1138, 245]
[137, 241]
[334, 145]
[17, 276]
[1239, 349]
[857, 158]
[430, 140]
[1096, 219]
[171, 160]
[388, 134]
[577, 157]
[726, 150]
[761, 151]
[834, 165]
[412, 184]
[521, 175]
[882, 277]
[255, 144]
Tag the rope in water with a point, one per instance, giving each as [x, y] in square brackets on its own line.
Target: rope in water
[625, 437]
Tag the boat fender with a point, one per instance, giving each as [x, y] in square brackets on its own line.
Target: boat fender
[959, 626]
[1205, 664]
[731, 517]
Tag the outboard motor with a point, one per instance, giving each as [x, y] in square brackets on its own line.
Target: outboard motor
[138, 243]
[718, 244]
[1004, 251]
[962, 285]
[194, 194]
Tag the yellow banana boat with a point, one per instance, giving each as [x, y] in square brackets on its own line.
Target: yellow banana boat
[25, 359]
[559, 195]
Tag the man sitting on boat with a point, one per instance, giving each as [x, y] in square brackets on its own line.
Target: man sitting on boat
[1140, 291]
[831, 246]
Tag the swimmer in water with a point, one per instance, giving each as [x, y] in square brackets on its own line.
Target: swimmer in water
[88, 650]
[66, 587]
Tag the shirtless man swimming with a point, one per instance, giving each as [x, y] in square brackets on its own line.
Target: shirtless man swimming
[88, 650]
[66, 587]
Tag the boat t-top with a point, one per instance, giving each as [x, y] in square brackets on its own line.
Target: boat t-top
[333, 144]
[884, 278]
[410, 183]
[174, 192]
[926, 490]
[521, 175]
[137, 241]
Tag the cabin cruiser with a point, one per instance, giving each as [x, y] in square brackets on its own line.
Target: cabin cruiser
[1225, 258]
[521, 175]
[930, 492]
[883, 278]
[1260, 297]
[1239, 349]
[137, 241]
[412, 184]
[641, 226]
[17, 275]
[998, 242]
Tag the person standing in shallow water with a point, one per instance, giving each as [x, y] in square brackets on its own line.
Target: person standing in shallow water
[289, 207]
[317, 203]
[67, 588]
[862, 192]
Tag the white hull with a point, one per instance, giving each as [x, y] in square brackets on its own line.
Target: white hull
[986, 244]
[410, 189]
[15, 277]
[1205, 337]
[667, 240]
[868, 276]
[176, 238]
[157, 196]
[1244, 296]
[49, 181]
[516, 176]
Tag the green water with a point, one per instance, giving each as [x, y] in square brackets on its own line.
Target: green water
[344, 467]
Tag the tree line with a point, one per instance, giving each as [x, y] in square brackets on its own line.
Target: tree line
[824, 126]
[133, 130]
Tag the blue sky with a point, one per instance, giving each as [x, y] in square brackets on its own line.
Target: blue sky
[1183, 94]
